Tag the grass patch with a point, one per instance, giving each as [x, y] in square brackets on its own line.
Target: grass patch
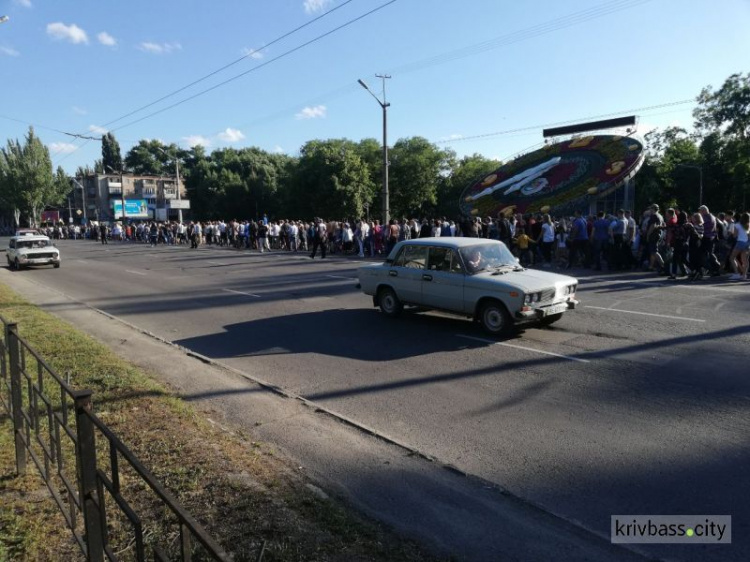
[234, 486]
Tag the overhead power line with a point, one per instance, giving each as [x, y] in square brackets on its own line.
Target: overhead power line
[218, 70]
[258, 67]
[255, 68]
[522, 34]
[547, 125]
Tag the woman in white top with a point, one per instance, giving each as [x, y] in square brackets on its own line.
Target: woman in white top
[739, 256]
[547, 238]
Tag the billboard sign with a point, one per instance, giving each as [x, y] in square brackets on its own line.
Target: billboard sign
[50, 216]
[179, 203]
[134, 208]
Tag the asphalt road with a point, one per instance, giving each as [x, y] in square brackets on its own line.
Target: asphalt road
[637, 403]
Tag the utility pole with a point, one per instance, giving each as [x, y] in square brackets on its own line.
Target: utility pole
[383, 104]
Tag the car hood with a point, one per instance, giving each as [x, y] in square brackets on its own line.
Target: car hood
[528, 280]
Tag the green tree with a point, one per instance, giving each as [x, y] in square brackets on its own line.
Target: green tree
[111, 156]
[331, 180]
[417, 168]
[669, 178]
[727, 109]
[723, 119]
[27, 184]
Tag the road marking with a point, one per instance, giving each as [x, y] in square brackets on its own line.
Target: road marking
[241, 293]
[342, 277]
[698, 287]
[647, 314]
[568, 357]
[135, 272]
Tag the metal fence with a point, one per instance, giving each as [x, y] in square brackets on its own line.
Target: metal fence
[54, 425]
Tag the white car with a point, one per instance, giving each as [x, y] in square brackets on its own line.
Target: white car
[29, 249]
[474, 277]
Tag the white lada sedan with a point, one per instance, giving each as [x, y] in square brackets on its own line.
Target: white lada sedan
[30, 249]
[474, 277]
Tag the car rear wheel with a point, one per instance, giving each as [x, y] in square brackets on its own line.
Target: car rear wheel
[389, 303]
[495, 319]
[551, 319]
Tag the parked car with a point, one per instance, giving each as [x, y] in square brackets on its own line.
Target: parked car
[30, 249]
[474, 277]
[28, 232]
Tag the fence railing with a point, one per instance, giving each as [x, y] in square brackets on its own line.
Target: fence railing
[54, 425]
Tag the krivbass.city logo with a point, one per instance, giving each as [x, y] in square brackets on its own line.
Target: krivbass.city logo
[697, 529]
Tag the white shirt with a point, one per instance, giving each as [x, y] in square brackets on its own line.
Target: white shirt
[548, 232]
[740, 232]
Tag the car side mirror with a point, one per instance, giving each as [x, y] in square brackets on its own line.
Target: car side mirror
[518, 260]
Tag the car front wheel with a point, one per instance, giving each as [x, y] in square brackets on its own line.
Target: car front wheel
[495, 319]
[16, 265]
[389, 303]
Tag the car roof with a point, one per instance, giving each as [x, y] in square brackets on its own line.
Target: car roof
[31, 237]
[451, 241]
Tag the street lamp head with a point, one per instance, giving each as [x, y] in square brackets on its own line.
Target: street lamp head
[3, 19]
[361, 83]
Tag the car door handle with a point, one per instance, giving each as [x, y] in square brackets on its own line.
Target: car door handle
[426, 277]
[393, 273]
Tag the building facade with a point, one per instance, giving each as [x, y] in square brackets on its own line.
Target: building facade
[103, 196]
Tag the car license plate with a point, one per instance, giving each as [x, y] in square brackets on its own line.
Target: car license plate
[556, 309]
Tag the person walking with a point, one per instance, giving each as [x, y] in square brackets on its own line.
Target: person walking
[320, 239]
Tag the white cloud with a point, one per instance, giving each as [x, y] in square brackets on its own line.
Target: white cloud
[62, 148]
[8, 51]
[314, 6]
[79, 110]
[252, 53]
[159, 48]
[231, 135]
[98, 130]
[452, 137]
[278, 150]
[72, 32]
[106, 39]
[24, 3]
[194, 140]
[312, 112]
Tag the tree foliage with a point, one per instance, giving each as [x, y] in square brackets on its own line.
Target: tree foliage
[27, 183]
[111, 156]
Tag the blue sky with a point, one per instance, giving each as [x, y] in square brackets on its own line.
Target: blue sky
[459, 69]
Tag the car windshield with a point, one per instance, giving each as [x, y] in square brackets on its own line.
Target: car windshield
[482, 257]
[32, 243]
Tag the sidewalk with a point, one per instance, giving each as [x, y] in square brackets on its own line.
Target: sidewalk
[451, 513]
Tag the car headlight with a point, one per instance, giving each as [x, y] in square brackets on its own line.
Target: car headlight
[532, 298]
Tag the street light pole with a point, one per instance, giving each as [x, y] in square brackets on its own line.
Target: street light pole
[83, 196]
[383, 104]
[122, 194]
[177, 172]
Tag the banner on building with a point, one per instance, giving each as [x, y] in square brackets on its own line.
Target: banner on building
[134, 209]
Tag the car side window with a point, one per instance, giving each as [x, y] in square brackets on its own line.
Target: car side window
[399, 259]
[414, 257]
[456, 266]
[441, 259]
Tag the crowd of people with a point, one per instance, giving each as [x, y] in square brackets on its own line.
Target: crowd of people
[676, 244]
